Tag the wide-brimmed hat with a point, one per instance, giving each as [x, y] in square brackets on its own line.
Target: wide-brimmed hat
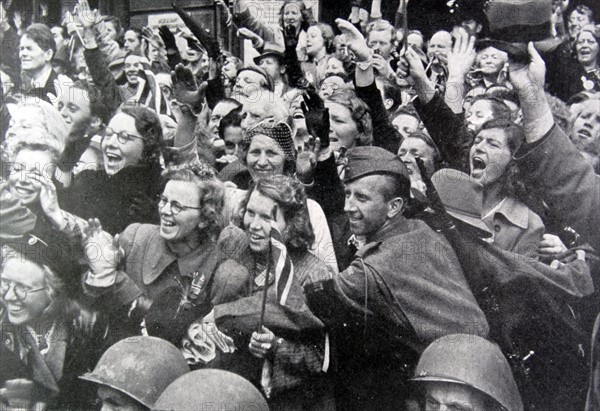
[515, 23]
[462, 197]
[271, 49]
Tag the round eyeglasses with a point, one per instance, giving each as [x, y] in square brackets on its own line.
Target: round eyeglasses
[123, 137]
[176, 207]
[19, 290]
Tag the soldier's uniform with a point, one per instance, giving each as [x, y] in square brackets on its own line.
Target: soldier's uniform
[404, 289]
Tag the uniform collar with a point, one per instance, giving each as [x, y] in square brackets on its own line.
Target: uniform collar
[514, 211]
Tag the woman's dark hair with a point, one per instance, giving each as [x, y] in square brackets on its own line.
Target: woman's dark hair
[515, 136]
[306, 19]
[231, 119]
[290, 196]
[148, 125]
[42, 36]
[97, 106]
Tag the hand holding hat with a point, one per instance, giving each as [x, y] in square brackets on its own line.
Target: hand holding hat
[528, 77]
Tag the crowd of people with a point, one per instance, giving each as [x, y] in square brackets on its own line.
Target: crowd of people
[361, 217]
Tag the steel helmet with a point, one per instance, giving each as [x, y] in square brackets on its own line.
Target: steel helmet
[210, 386]
[141, 367]
[473, 361]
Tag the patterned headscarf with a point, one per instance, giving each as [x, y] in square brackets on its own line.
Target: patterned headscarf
[280, 132]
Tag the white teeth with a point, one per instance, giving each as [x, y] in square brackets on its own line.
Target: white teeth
[14, 308]
[168, 223]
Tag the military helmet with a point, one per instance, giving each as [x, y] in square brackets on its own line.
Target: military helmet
[210, 386]
[141, 367]
[473, 361]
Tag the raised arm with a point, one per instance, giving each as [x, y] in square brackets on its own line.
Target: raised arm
[549, 161]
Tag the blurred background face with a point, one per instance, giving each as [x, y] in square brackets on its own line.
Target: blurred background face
[405, 124]
[381, 42]
[491, 60]
[478, 114]
[330, 85]
[271, 65]
[132, 41]
[292, 15]
[576, 21]
[33, 58]
[415, 40]
[439, 45]
[133, 67]
[74, 107]
[412, 148]
[233, 137]
[334, 66]
[343, 131]
[314, 41]
[111, 31]
[586, 128]
[586, 48]
[28, 167]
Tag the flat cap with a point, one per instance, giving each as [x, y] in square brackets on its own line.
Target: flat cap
[365, 161]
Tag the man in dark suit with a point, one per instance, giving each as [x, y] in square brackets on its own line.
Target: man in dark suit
[36, 50]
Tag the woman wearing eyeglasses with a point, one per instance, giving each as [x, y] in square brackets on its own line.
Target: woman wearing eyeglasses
[45, 345]
[123, 192]
[162, 272]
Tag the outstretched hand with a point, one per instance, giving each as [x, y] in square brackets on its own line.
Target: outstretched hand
[186, 89]
[316, 116]
[356, 41]
[462, 56]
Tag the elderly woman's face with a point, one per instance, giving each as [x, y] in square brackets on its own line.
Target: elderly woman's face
[491, 60]
[292, 15]
[343, 130]
[586, 128]
[330, 85]
[122, 144]
[28, 167]
[587, 48]
[257, 221]
[24, 290]
[249, 84]
[178, 221]
[265, 157]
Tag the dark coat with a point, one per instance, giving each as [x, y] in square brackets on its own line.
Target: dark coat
[404, 289]
[71, 353]
[128, 197]
[569, 186]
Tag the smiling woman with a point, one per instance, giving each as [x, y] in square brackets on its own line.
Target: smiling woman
[124, 191]
[42, 351]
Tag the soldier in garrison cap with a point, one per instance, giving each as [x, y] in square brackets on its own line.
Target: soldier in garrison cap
[404, 289]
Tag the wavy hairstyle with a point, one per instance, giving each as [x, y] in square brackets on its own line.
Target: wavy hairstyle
[290, 196]
[210, 189]
[360, 114]
[148, 125]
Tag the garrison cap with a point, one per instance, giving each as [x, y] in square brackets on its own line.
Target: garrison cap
[366, 161]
